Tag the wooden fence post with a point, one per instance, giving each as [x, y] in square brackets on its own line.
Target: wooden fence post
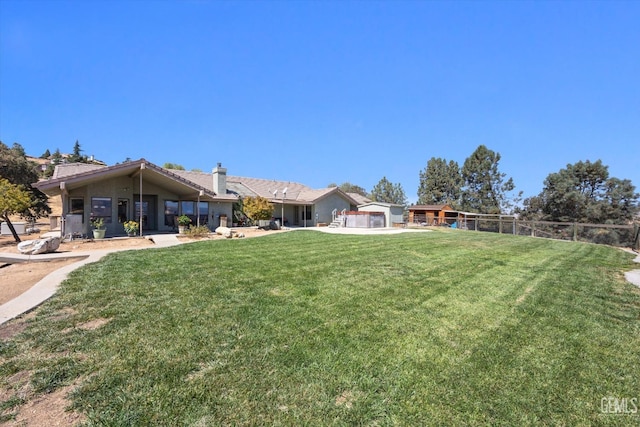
[575, 231]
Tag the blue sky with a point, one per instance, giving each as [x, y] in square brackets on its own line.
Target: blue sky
[326, 91]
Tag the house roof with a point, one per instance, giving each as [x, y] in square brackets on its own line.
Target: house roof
[72, 175]
[429, 207]
[266, 187]
[359, 198]
[386, 205]
[254, 187]
[185, 183]
[67, 169]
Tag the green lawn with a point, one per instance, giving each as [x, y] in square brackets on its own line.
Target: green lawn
[307, 328]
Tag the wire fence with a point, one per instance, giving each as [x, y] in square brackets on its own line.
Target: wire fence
[607, 234]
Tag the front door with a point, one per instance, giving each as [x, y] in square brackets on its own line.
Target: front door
[149, 217]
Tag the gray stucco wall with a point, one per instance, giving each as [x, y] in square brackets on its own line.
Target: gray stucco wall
[128, 189]
[325, 207]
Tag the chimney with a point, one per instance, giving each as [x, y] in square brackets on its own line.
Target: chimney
[220, 180]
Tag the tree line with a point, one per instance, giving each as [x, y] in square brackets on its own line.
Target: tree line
[57, 158]
[581, 192]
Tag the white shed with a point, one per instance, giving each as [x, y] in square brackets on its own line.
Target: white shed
[393, 214]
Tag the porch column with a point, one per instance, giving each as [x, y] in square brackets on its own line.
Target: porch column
[65, 209]
[142, 167]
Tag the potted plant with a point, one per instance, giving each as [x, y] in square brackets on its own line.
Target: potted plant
[183, 223]
[131, 227]
[99, 229]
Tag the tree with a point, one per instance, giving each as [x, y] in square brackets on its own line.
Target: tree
[620, 201]
[532, 209]
[13, 200]
[174, 166]
[257, 208]
[46, 154]
[21, 172]
[387, 192]
[440, 183]
[76, 156]
[56, 159]
[347, 187]
[485, 189]
[18, 150]
[584, 192]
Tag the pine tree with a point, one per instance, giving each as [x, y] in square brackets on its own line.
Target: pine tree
[440, 183]
[584, 192]
[485, 189]
[387, 192]
[76, 156]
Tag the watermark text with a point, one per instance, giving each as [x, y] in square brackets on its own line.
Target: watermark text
[611, 405]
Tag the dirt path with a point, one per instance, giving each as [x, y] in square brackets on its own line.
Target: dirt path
[17, 278]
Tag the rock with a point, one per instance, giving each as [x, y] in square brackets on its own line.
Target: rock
[39, 246]
[223, 230]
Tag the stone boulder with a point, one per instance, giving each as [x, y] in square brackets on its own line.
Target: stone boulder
[225, 231]
[39, 246]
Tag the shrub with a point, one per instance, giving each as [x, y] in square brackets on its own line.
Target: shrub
[199, 231]
[604, 237]
[184, 220]
[257, 208]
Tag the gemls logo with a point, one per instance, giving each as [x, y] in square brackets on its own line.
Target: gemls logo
[615, 406]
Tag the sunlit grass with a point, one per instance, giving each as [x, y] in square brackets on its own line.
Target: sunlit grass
[304, 328]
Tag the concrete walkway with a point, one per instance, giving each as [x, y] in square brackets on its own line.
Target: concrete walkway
[46, 287]
[634, 275]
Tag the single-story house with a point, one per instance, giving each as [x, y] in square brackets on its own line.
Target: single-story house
[142, 191]
[295, 204]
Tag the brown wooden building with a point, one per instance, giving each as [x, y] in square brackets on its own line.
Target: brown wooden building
[431, 214]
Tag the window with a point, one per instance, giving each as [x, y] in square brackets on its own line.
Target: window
[101, 208]
[170, 212]
[188, 208]
[203, 212]
[77, 207]
[308, 210]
